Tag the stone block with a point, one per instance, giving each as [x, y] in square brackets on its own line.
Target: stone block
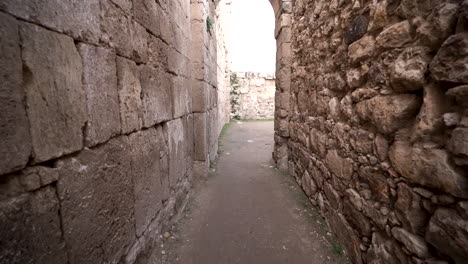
[78, 19]
[200, 96]
[156, 89]
[117, 29]
[158, 52]
[341, 167]
[146, 172]
[377, 183]
[54, 93]
[447, 231]
[429, 167]
[385, 249]
[458, 145]
[451, 62]
[395, 36]
[146, 12]
[30, 228]
[97, 203]
[200, 136]
[389, 113]
[415, 244]
[100, 85]
[356, 30]
[177, 149]
[129, 87]
[361, 49]
[409, 70]
[181, 96]
[15, 140]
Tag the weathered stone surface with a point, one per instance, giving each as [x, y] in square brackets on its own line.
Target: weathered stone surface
[26, 221]
[200, 134]
[308, 184]
[156, 89]
[361, 49]
[341, 167]
[100, 82]
[377, 183]
[410, 8]
[181, 95]
[146, 172]
[117, 28]
[177, 150]
[415, 244]
[97, 203]
[381, 147]
[54, 93]
[357, 219]
[429, 167]
[458, 145]
[451, 62]
[15, 141]
[79, 19]
[385, 250]
[395, 36]
[129, 87]
[347, 236]
[356, 30]
[409, 209]
[146, 13]
[429, 120]
[409, 70]
[448, 232]
[460, 94]
[438, 25]
[389, 113]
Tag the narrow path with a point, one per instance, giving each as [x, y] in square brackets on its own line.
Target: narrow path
[247, 212]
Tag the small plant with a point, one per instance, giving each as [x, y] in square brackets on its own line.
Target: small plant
[209, 24]
[337, 249]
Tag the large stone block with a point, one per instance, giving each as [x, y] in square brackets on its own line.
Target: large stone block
[30, 228]
[448, 232]
[429, 167]
[458, 145]
[341, 167]
[395, 36]
[79, 19]
[54, 93]
[409, 210]
[156, 89]
[385, 250]
[181, 95]
[97, 203]
[117, 29]
[451, 62]
[15, 141]
[158, 52]
[409, 70]
[200, 136]
[131, 106]
[100, 85]
[177, 149]
[146, 13]
[389, 113]
[146, 172]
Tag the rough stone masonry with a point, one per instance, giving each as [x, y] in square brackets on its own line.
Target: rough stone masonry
[101, 102]
[378, 124]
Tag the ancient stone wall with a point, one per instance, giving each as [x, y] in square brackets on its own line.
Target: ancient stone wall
[379, 125]
[253, 95]
[98, 114]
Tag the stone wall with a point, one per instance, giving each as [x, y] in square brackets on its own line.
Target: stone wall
[379, 125]
[100, 104]
[253, 95]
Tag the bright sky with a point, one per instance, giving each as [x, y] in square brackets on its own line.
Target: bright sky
[253, 45]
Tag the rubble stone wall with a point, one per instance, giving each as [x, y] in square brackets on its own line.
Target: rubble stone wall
[254, 95]
[99, 107]
[378, 125]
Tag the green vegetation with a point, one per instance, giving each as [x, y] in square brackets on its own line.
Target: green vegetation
[209, 24]
[337, 249]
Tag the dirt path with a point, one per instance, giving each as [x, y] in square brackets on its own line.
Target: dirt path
[248, 212]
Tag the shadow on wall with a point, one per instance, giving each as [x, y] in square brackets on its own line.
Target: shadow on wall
[252, 95]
